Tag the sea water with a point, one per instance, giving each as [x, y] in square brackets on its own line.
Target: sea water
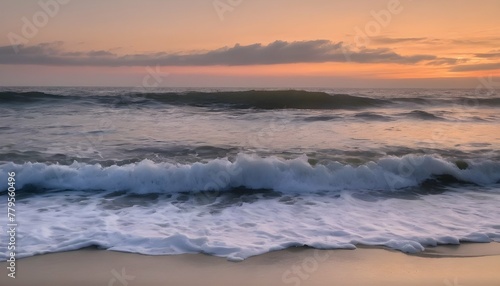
[241, 172]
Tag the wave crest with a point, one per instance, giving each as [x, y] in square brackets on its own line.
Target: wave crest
[260, 99]
[251, 172]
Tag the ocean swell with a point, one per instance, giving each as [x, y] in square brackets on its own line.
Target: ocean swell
[251, 172]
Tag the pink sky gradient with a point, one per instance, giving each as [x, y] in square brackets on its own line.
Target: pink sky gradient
[279, 43]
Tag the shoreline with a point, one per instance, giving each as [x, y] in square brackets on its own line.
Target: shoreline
[454, 265]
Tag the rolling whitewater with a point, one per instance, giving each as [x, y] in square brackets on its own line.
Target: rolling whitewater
[238, 172]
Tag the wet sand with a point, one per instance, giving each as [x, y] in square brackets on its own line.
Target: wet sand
[467, 264]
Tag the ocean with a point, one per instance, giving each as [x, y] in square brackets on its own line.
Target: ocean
[240, 172]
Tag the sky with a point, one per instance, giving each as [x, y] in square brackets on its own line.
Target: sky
[250, 43]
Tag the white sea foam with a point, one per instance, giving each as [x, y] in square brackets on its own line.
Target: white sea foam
[156, 226]
[361, 206]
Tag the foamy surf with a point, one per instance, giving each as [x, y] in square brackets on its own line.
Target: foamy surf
[238, 224]
[251, 172]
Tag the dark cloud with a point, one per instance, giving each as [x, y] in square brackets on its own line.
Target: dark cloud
[278, 52]
[479, 41]
[477, 67]
[447, 61]
[384, 55]
[475, 42]
[99, 53]
[425, 40]
[492, 54]
[385, 40]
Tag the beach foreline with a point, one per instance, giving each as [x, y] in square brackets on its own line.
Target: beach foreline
[466, 264]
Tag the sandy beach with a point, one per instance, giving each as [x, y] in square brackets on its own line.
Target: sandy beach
[467, 264]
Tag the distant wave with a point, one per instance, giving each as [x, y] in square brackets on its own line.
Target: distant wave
[372, 116]
[28, 97]
[279, 99]
[251, 172]
[423, 115]
[259, 99]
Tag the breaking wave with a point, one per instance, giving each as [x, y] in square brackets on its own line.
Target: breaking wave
[251, 172]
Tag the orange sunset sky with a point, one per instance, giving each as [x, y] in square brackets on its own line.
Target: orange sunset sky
[250, 43]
